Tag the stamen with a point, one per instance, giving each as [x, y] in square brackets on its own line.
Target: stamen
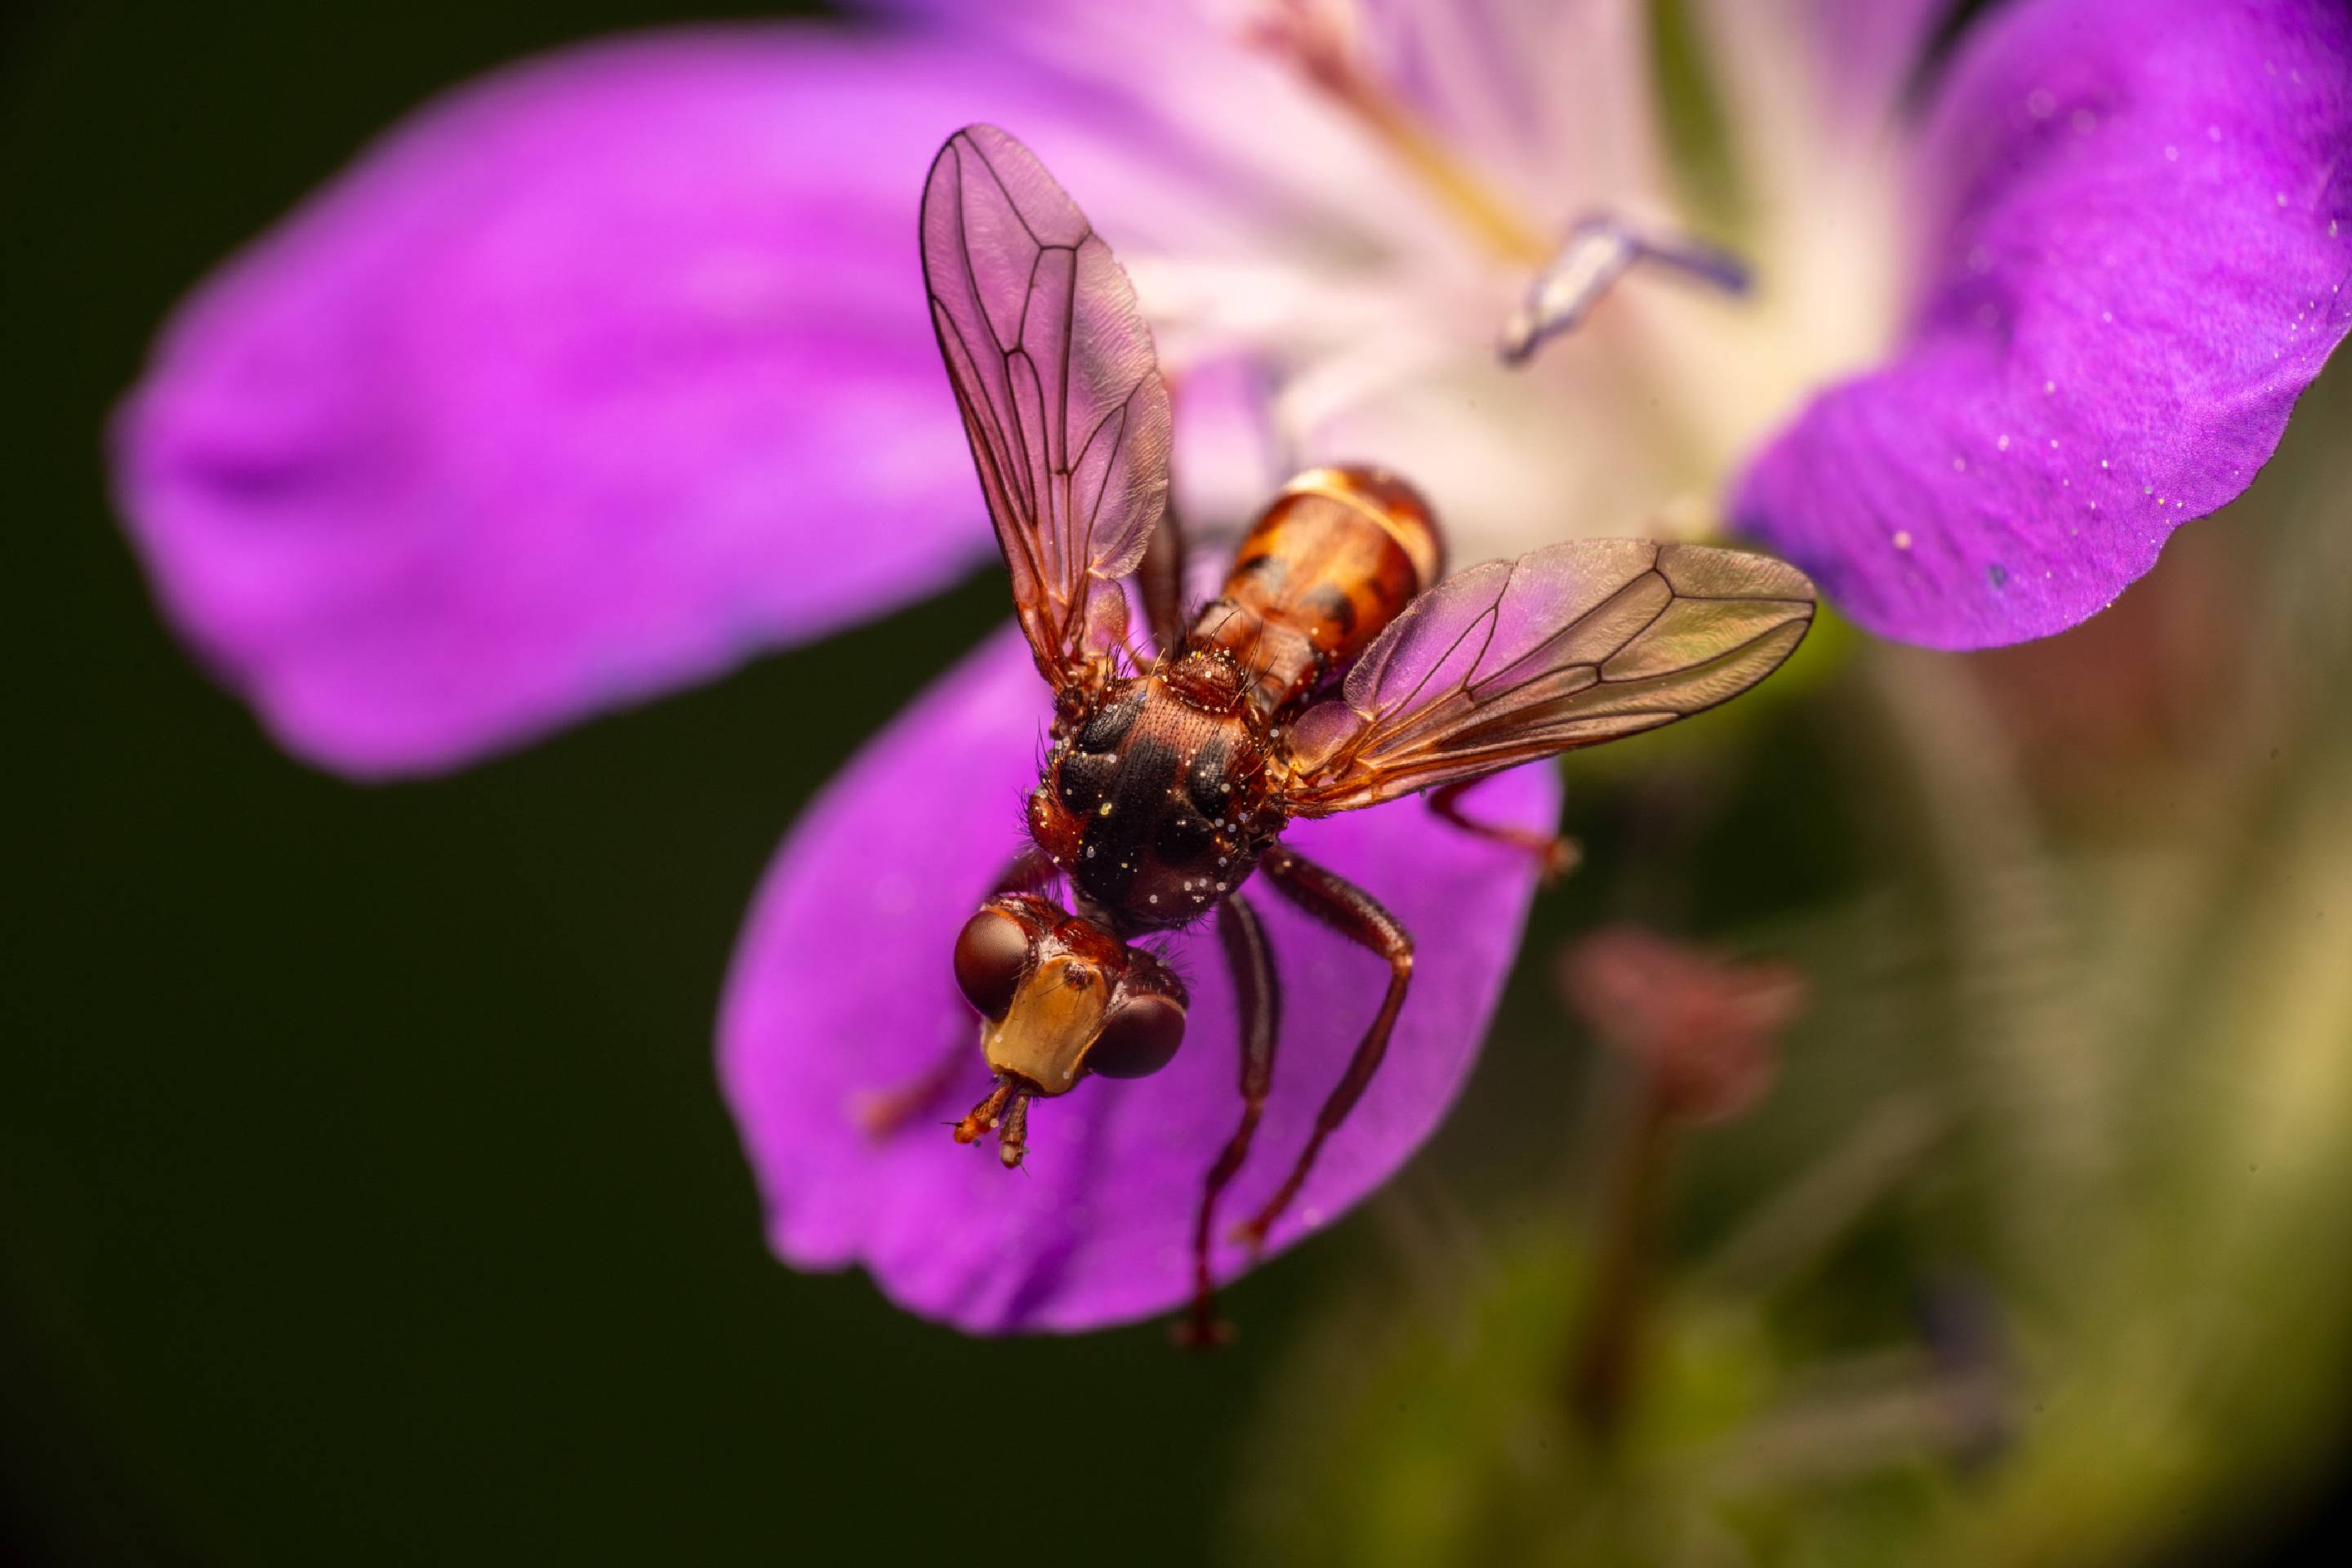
[1314, 40]
[1598, 251]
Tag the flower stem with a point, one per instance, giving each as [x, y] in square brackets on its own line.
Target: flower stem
[1604, 1357]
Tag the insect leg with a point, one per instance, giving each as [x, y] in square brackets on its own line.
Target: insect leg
[1031, 872]
[1161, 579]
[1555, 855]
[1258, 998]
[1357, 915]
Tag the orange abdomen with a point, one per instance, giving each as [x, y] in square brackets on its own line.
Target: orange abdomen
[1327, 566]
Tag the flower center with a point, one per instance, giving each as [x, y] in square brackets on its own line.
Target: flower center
[1318, 42]
[1685, 390]
[1569, 277]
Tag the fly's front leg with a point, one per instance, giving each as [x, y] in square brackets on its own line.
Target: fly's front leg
[880, 1112]
[1555, 857]
[1031, 872]
[1357, 915]
[1257, 999]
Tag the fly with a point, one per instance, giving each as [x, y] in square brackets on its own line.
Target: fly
[1337, 668]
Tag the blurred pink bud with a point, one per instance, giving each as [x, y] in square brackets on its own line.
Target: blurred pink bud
[1704, 1030]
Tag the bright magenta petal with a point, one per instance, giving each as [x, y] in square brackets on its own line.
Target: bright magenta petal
[2139, 261]
[841, 989]
[593, 379]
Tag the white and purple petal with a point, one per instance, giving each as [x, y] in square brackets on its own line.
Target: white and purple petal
[841, 990]
[2137, 238]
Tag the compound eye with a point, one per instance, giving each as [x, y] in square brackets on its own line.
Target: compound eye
[990, 953]
[1139, 1039]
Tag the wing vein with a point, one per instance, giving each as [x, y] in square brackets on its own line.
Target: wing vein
[1424, 707]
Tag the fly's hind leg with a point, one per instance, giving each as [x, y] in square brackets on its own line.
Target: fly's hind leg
[1357, 915]
[1555, 855]
[1258, 998]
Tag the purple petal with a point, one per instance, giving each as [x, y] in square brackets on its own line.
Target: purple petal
[2138, 262]
[594, 378]
[841, 989]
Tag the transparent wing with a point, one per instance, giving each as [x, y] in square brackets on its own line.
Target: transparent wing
[1568, 647]
[1054, 373]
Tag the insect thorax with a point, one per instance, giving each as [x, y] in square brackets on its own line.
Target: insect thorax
[1153, 808]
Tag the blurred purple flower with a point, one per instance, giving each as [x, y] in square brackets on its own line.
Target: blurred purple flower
[611, 371]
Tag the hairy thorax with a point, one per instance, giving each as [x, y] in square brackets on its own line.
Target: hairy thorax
[1153, 806]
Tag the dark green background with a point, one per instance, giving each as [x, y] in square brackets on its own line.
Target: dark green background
[365, 1193]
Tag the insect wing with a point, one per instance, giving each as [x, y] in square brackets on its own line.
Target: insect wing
[1568, 647]
[1059, 388]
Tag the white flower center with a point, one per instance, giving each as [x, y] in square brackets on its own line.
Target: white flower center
[1410, 229]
